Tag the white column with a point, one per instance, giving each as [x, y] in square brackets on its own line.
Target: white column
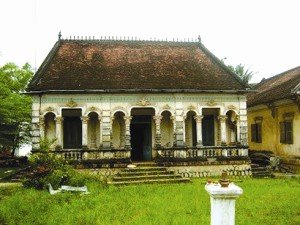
[127, 132]
[157, 120]
[222, 119]
[238, 130]
[100, 131]
[58, 129]
[84, 120]
[222, 200]
[173, 118]
[184, 130]
[42, 127]
[198, 119]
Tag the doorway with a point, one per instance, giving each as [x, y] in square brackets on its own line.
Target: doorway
[141, 138]
[72, 129]
[208, 130]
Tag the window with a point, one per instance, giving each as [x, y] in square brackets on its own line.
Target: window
[286, 129]
[256, 130]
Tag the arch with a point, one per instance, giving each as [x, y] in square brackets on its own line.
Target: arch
[167, 110]
[119, 109]
[45, 112]
[118, 130]
[50, 127]
[190, 129]
[93, 130]
[231, 127]
[167, 129]
[93, 111]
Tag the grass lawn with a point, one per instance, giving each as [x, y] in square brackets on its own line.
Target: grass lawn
[265, 201]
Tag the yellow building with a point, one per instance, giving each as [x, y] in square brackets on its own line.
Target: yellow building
[274, 115]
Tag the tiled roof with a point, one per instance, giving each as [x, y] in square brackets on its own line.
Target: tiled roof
[281, 86]
[111, 65]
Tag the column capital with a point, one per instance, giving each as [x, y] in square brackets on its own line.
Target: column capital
[198, 118]
[237, 117]
[222, 118]
[42, 120]
[59, 119]
[157, 118]
[127, 118]
[84, 119]
[112, 118]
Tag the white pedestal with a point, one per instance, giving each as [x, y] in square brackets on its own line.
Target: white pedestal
[222, 201]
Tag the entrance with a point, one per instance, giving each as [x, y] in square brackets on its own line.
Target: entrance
[208, 130]
[141, 138]
[72, 129]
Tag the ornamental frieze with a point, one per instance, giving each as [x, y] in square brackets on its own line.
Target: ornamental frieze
[71, 103]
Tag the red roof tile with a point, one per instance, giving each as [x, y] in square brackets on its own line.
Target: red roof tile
[131, 65]
[275, 88]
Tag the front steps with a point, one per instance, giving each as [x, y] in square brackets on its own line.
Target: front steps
[259, 171]
[147, 173]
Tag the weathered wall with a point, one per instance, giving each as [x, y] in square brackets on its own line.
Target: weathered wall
[106, 105]
[271, 129]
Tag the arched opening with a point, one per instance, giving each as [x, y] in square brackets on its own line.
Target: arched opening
[142, 131]
[93, 131]
[167, 136]
[190, 129]
[50, 128]
[231, 127]
[118, 130]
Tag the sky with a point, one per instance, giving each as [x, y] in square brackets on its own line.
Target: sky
[263, 35]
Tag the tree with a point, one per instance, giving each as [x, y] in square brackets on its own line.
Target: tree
[244, 74]
[15, 107]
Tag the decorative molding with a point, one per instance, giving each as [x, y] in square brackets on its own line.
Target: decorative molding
[211, 103]
[231, 107]
[191, 108]
[71, 103]
[288, 116]
[93, 109]
[222, 118]
[198, 118]
[258, 119]
[166, 106]
[143, 102]
[271, 106]
[49, 109]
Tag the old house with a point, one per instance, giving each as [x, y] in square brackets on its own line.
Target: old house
[113, 101]
[274, 115]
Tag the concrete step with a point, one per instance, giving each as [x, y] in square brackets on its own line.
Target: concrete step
[146, 177]
[150, 181]
[142, 173]
[145, 169]
[145, 164]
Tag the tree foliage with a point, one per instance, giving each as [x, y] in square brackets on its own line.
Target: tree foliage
[15, 112]
[244, 74]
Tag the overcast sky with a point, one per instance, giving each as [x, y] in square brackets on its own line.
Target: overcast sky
[263, 35]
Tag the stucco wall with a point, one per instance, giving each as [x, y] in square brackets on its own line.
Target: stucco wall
[271, 129]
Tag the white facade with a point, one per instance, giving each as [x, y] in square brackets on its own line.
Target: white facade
[106, 119]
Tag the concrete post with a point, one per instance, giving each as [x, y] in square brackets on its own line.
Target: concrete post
[222, 119]
[238, 130]
[173, 118]
[222, 200]
[198, 119]
[42, 127]
[127, 131]
[84, 131]
[157, 120]
[58, 124]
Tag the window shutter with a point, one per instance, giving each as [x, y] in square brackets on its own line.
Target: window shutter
[282, 132]
[259, 132]
[289, 132]
[253, 132]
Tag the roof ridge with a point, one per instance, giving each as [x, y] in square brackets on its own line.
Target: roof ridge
[275, 76]
[130, 39]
